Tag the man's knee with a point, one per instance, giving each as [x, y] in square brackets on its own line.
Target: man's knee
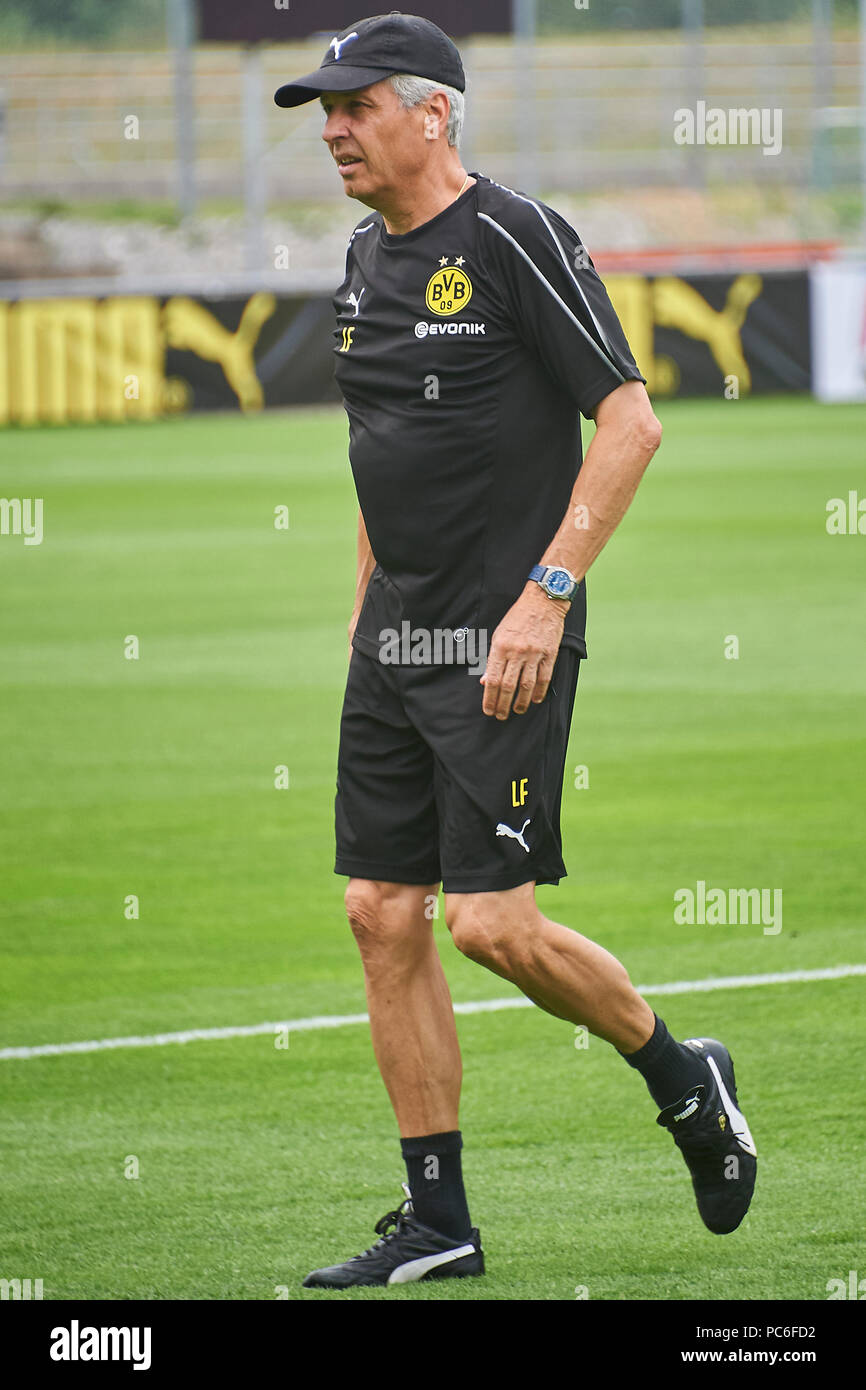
[387, 916]
[477, 928]
[497, 929]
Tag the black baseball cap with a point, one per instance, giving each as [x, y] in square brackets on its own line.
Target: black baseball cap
[375, 48]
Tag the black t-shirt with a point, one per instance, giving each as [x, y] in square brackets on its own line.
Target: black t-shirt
[465, 352]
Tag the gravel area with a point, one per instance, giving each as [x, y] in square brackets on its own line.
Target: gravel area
[314, 243]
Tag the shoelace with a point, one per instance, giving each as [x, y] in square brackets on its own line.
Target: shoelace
[393, 1218]
[398, 1219]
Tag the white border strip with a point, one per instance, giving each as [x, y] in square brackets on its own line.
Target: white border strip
[539, 208]
[479, 1006]
[597, 349]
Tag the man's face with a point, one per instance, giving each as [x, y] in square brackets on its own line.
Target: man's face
[383, 138]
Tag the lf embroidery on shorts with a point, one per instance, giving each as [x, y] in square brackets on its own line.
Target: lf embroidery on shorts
[517, 835]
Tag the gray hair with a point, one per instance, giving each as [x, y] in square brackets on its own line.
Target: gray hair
[413, 90]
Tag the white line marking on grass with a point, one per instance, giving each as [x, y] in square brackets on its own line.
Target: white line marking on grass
[478, 1006]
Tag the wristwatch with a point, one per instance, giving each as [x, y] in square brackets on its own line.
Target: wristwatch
[555, 581]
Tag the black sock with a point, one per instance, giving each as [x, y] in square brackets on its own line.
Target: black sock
[436, 1182]
[668, 1068]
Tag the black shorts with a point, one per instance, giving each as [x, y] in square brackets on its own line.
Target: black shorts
[430, 788]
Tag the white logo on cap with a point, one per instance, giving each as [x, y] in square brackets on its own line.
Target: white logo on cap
[339, 44]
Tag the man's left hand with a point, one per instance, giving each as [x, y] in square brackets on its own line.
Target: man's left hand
[523, 653]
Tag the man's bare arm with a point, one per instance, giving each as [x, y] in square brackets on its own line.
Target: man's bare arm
[526, 642]
[366, 565]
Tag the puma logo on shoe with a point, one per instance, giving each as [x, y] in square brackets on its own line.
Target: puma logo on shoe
[414, 1270]
[690, 1105]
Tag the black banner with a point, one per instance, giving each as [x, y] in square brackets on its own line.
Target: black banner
[747, 331]
[101, 1341]
[266, 351]
[140, 357]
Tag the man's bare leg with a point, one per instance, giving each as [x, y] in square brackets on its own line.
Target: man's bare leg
[411, 1015]
[692, 1083]
[415, 1041]
[560, 970]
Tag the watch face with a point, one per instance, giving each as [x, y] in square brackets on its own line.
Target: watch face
[559, 583]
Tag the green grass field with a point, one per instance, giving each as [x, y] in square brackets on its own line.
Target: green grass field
[155, 777]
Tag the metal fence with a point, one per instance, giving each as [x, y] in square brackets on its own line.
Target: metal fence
[558, 115]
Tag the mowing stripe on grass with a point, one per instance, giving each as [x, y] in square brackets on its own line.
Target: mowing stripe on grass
[478, 1006]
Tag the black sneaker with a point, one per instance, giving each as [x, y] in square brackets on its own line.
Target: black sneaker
[715, 1141]
[408, 1253]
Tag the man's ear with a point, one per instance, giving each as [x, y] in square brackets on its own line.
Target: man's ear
[438, 117]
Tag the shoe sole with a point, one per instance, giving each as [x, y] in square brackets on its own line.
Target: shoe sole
[465, 1261]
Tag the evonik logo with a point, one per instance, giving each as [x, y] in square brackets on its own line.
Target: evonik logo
[451, 330]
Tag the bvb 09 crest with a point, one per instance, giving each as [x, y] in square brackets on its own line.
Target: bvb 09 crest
[448, 291]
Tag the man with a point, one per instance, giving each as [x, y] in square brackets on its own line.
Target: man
[473, 331]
